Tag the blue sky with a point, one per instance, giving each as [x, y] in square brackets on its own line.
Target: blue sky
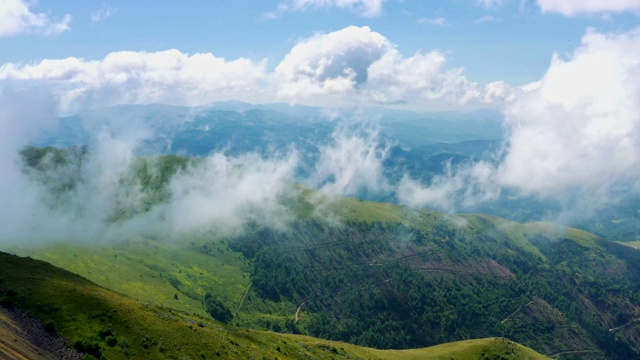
[484, 41]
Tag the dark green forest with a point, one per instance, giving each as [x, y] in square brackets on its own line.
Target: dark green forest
[392, 286]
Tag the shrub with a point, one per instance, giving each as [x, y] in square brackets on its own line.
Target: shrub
[111, 341]
[216, 308]
[90, 346]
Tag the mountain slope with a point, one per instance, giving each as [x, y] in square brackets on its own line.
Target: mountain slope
[104, 323]
[369, 273]
[391, 277]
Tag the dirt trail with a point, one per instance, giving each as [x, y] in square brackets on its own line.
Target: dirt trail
[244, 295]
[624, 325]
[574, 352]
[298, 311]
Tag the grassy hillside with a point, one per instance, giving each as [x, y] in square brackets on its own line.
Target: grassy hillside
[391, 277]
[101, 322]
[379, 275]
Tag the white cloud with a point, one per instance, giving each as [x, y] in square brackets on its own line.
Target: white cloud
[364, 8]
[138, 77]
[579, 126]
[16, 19]
[396, 79]
[573, 136]
[23, 113]
[219, 193]
[439, 21]
[351, 164]
[226, 192]
[349, 67]
[576, 7]
[458, 188]
[104, 12]
[332, 64]
[356, 65]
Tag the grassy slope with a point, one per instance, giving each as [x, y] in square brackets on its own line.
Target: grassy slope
[84, 311]
[155, 271]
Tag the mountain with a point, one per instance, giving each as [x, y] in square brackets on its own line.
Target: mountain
[104, 324]
[385, 276]
[247, 127]
[421, 145]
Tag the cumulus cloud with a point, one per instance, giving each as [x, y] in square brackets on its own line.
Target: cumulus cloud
[169, 77]
[352, 66]
[573, 136]
[577, 7]
[364, 8]
[16, 18]
[333, 63]
[579, 126]
[358, 65]
[397, 79]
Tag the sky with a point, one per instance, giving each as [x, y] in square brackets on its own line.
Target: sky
[565, 75]
[421, 55]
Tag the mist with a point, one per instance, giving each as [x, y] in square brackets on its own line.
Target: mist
[572, 138]
[107, 192]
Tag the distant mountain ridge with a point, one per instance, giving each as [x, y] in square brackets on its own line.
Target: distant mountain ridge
[421, 145]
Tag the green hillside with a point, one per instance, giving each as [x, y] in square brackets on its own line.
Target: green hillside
[376, 274]
[102, 323]
[390, 277]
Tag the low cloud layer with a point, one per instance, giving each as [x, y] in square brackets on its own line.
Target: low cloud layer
[573, 136]
[352, 163]
[352, 66]
[108, 193]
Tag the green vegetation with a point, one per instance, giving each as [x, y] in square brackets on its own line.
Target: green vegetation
[389, 285]
[105, 324]
[217, 309]
[372, 274]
